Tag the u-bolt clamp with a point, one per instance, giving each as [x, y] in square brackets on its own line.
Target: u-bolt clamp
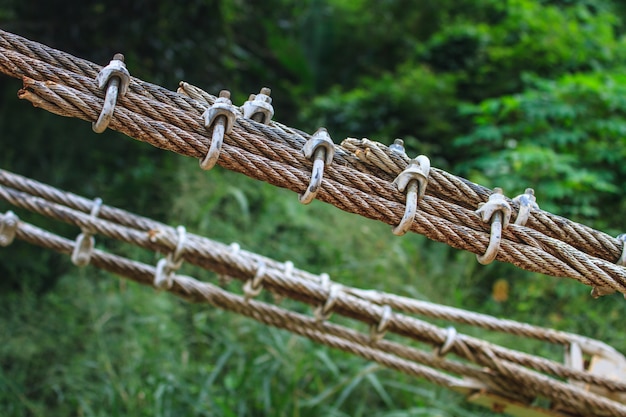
[321, 149]
[221, 118]
[259, 107]
[116, 79]
[413, 180]
[497, 211]
[527, 203]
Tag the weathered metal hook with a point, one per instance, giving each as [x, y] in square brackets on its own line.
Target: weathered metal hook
[116, 79]
[220, 117]
[321, 149]
[527, 203]
[413, 180]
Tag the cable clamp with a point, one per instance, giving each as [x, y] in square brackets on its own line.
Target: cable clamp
[221, 118]
[253, 286]
[259, 107]
[527, 203]
[497, 211]
[83, 247]
[451, 334]
[115, 78]
[412, 181]
[167, 267]
[378, 331]
[8, 227]
[320, 149]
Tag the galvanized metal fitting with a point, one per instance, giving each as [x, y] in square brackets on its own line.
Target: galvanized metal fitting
[115, 78]
[259, 107]
[323, 311]
[527, 203]
[398, 147]
[220, 117]
[321, 149]
[8, 227]
[497, 211]
[413, 180]
[85, 242]
[378, 331]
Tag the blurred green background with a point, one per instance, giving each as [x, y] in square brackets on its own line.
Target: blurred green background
[516, 94]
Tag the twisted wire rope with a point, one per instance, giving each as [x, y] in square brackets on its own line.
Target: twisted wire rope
[354, 303]
[503, 377]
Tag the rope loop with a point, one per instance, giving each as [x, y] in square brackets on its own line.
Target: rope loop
[527, 203]
[412, 181]
[378, 331]
[115, 78]
[254, 286]
[259, 107]
[497, 211]
[167, 267]
[323, 311]
[451, 334]
[223, 278]
[321, 150]
[288, 267]
[221, 118]
[8, 227]
[83, 247]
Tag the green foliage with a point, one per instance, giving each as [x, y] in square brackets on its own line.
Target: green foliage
[565, 138]
[513, 94]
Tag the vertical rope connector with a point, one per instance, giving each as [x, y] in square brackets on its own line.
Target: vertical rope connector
[412, 181]
[497, 211]
[253, 286]
[378, 331]
[323, 311]
[8, 227]
[166, 267]
[527, 203]
[321, 150]
[83, 247]
[220, 117]
[259, 107]
[235, 248]
[451, 334]
[115, 78]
